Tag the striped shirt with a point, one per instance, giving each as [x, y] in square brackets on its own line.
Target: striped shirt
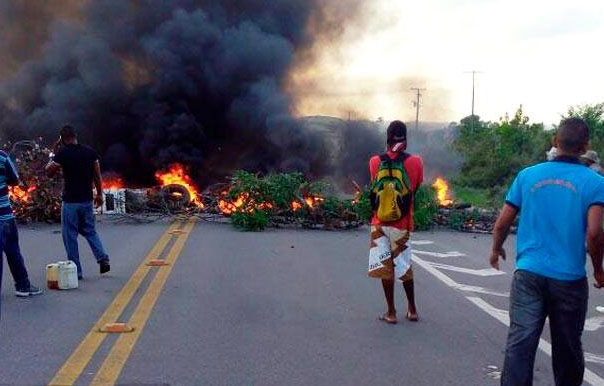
[8, 176]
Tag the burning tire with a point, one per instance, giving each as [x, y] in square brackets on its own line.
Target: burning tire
[175, 196]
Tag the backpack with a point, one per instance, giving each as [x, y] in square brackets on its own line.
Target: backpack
[391, 194]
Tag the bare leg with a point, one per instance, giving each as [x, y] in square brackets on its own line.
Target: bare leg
[410, 293]
[389, 293]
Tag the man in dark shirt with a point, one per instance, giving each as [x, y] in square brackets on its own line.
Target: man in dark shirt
[81, 168]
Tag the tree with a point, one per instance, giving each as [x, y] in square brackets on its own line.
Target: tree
[494, 152]
[594, 117]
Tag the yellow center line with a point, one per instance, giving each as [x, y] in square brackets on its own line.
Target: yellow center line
[77, 362]
[115, 361]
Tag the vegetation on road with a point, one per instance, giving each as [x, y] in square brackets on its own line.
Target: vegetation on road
[288, 198]
[492, 153]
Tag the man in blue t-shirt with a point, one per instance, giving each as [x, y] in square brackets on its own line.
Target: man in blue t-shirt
[561, 209]
[9, 235]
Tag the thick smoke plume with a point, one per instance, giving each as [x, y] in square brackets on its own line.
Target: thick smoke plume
[150, 83]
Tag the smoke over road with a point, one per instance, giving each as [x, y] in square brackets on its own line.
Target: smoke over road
[205, 83]
[150, 83]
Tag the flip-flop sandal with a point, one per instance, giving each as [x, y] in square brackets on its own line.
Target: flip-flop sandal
[385, 319]
[412, 318]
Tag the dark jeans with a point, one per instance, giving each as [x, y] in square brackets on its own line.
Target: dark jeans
[1, 263]
[14, 258]
[532, 299]
[77, 219]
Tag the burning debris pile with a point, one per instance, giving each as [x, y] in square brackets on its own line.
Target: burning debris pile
[467, 219]
[37, 199]
[252, 202]
[461, 216]
[174, 195]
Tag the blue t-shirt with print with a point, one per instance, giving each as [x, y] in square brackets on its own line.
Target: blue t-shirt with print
[8, 176]
[553, 199]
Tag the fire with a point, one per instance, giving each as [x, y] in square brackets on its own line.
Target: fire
[442, 192]
[230, 207]
[313, 201]
[18, 194]
[113, 183]
[243, 203]
[177, 175]
[310, 201]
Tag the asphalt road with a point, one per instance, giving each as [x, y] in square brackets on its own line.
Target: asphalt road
[282, 307]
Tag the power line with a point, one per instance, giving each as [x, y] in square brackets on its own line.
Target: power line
[418, 92]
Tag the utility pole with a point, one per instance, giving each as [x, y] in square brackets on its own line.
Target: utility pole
[473, 72]
[418, 92]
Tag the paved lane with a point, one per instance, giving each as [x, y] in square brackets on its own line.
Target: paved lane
[249, 309]
[280, 307]
[489, 291]
[38, 334]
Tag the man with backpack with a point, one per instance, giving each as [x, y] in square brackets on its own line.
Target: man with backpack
[396, 176]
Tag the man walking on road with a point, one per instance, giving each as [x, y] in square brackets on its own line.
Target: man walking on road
[9, 236]
[81, 168]
[396, 176]
[561, 205]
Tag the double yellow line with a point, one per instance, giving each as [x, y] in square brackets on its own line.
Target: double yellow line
[117, 357]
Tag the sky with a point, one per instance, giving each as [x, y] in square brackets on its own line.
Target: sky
[545, 55]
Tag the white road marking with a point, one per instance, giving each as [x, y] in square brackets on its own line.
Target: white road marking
[595, 323]
[452, 283]
[600, 309]
[439, 254]
[481, 290]
[476, 272]
[421, 242]
[590, 377]
[593, 358]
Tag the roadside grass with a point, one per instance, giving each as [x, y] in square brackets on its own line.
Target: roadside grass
[479, 198]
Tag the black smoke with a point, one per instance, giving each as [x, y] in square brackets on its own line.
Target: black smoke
[151, 82]
[363, 139]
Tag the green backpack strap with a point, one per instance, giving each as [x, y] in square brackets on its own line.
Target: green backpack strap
[375, 184]
[402, 157]
[407, 201]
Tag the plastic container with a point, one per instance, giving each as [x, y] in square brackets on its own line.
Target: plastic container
[62, 275]
[52, 276]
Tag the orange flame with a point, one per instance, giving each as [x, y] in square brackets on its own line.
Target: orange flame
[113, 183]
[18, 194]
[177, 175]
[230, 207]
[310, 201]
[313, 201]
[243, 203]
[442, 192]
